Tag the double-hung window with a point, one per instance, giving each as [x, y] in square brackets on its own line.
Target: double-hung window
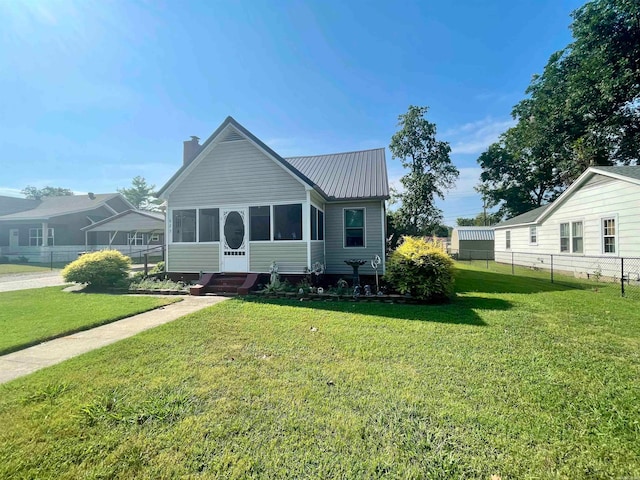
[317, 224]
[354, 227]
[609, 235]
[564, 237]
[507, 237]
[135, 238]
[36, 240]
[533, 235]
[576, 237]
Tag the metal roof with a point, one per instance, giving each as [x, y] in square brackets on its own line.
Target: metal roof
[349, 175]
[145, 222]
[49, 207]
[338, 176]
[475, 233]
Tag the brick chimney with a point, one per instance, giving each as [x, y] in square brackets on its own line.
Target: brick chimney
[191, 149]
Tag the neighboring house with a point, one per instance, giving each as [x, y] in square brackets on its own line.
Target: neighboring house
[597, 216]
[142, 228]
[472, 243]
[235, 205]
[52, 227]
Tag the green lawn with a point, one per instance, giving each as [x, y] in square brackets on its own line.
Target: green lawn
[28, 317]
[517, 377]
[11, 268]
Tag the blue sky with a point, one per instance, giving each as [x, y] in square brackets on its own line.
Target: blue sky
[93, 93]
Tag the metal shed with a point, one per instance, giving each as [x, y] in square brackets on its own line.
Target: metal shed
[473, 243]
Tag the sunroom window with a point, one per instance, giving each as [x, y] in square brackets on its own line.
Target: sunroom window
[287, 222]
[209, 225]
[184, 225]
[260, 223]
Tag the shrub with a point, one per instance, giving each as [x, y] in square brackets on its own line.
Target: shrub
[422, 269]
[158, 268]
[108, 268]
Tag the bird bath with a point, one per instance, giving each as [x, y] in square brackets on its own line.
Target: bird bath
[355, 264]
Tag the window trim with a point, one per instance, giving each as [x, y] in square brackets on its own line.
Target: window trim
[316, 221]
[196, 232]
[40, 239]
[135, 236]
[533, 232]
[364, 227]
[507, 239]
[615, 236]
[273, 222]
[572, 236]
[270, 236]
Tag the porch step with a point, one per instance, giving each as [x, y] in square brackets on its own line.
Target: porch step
[226, 284]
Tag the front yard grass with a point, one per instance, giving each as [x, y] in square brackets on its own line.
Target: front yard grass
[28, 317]
[517, 377]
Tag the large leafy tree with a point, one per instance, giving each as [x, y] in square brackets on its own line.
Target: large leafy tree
[430, 172]
[583, 110]
[480, 220]
[141, 195]
[37, 193]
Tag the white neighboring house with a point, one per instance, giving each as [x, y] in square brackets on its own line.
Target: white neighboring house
[587, 230]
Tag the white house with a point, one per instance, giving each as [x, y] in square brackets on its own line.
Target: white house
[587, 230]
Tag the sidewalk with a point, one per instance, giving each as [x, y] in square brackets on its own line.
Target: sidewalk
[29, 360]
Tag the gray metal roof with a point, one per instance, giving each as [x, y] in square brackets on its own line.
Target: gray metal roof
[339, 176]
[349, 175]
[475, 233]
[527, 217]
[625, 171]
[49, 207]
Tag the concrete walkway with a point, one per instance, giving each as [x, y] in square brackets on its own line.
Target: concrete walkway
[23, 362]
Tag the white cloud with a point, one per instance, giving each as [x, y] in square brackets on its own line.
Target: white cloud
[475, 137]
[11, 192]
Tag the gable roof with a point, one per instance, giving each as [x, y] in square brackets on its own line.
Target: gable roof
[49, 207]
[152, 222]
[351, 175]
[475, 233]
[625, 173]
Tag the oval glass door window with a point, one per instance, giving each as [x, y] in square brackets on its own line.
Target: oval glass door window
[234, 230]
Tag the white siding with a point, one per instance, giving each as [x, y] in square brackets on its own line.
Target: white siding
[236, 173]
[337, 253]
[193, 257]
[291, 257]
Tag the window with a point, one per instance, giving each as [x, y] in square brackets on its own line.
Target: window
[354, 227]
[259, 223]
[287, 222]
[35, 237]
[317, 224]
[609, 235]
[507, 236]
[184, 225]
[320, 225]
[155, 237]
[576, 237]
[564, 237]
[135, 238]
[533, 235]
[209, 225]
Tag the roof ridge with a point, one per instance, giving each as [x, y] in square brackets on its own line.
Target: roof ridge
[335, 153]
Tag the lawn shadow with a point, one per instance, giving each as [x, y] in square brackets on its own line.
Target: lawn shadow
[494, 282]
[461, 311]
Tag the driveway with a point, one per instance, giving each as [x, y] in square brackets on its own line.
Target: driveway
[24, 281]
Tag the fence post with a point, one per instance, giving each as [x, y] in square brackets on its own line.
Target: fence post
[51, 260]
[551, 268]
[622, 276]
[512, 269]
[146, 264]
[486, 253]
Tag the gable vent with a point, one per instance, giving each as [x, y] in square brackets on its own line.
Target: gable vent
[232, 136]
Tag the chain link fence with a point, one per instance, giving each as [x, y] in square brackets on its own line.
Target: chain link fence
[59, 259]
[616, 275]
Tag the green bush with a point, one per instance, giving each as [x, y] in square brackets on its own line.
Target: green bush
[158, 268]
[107, 268]
[422, 269]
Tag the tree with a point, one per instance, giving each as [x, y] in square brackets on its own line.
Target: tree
[431, 172]
[37, 193]
[583, 110]
[141, 195]
[465, 222]
[480, 220]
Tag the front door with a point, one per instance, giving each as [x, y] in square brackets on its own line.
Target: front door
[14, 235]
[234, 240]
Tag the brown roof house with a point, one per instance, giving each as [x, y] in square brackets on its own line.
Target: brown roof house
[58, 228]
[236, 205]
